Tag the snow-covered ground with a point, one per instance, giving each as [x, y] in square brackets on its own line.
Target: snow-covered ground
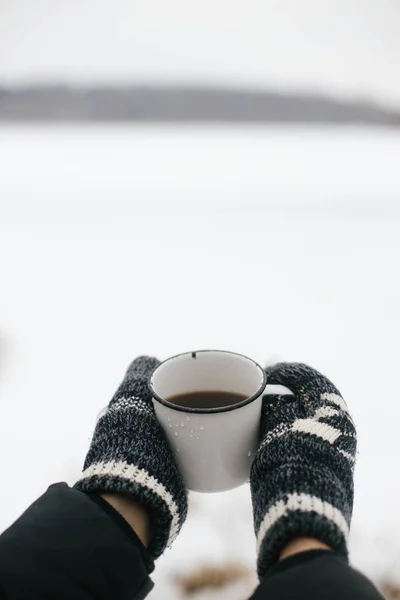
[346, 47]
[275, 242]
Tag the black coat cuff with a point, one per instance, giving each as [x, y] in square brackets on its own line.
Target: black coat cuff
[126, 528]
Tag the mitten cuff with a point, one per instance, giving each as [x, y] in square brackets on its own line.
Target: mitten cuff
[299, 515]
[123, 478]
[298, 500]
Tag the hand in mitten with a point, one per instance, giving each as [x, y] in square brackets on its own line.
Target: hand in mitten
[129, 454]
[302, 474]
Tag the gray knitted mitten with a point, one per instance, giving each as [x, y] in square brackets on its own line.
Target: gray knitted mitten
[302, 475]
[129, 454]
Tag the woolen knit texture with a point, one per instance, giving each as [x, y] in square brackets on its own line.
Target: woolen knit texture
[302, 474]
[130, 454]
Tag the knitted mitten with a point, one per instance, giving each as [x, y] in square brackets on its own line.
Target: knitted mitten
[129, 454]
[302, 474]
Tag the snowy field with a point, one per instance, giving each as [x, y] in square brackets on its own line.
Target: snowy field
[275, 242]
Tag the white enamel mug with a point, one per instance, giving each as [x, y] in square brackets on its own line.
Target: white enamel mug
[214, 447]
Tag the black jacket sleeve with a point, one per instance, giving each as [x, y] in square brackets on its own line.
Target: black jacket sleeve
[66, 546]
[315, 575]
[71, 545]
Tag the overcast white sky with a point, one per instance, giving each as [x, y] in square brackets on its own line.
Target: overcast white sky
[345, 46]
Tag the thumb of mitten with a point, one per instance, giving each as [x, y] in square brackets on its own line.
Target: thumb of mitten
[307, 384]
[136, 380]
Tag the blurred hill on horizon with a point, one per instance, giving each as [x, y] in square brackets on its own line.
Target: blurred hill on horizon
[185, 104]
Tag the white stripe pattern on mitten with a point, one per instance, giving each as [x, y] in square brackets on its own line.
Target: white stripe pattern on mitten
[347, 455]
[310, 426]
[325, 411]
[335, 399]
[140, 476]
[314, 427]
[306, 504]
[338, 400]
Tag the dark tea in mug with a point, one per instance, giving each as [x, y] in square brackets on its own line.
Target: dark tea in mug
[207, 399]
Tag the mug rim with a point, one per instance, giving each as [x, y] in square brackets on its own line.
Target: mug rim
[203, 411]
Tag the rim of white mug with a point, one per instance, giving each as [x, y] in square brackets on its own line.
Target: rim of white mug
[218, 409]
